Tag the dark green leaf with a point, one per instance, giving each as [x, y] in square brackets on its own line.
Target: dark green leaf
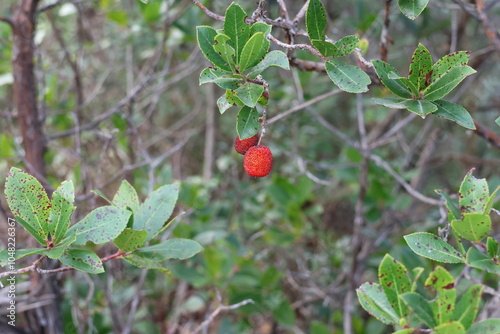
[225, 50]
[373, 299]
[420, 67]
[467, 307]
[446, 83]
[396, 86]
[172, 249]
[455, 113]
[273, 58]
[349, 78]
[474, 194]
[412, 8]
[260, 27]
[316, 20]
[247, 124]
[249, 93]
[253, 52]
[61, 211]
[223, 79]
[232, 99]
[100, 225]
[57, 252]
[481, 261]
[421, 107]
[421, 307]
[488, 326]
[473, 226]
[206, 40]
[345, 46]
[83, 260]
[492, 247]
[143, 261]
[28, 200]
[431, 246]
[236, 29]
[445, 64]
[156, 210]
[391, 102]
[450, 204]
[327, 49]
[130, 240]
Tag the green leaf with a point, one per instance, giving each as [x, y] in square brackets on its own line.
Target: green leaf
[391, 102]
[274, 58]
[498, 121]
[232, 99]
[446, 83]
[19, 254]
[223, 79]
[118, 16]
[206, 40]
[393, 279]
[28, 200]
[473, 226]
[222, 104]
[236, 29]
[130, 240]
[492, 247]
[445, 64]
[175, 248]
[225, 50]
[467, 307]
[247, 123]
[126, 197]
[143, 261]
[412, 8]
[83, 260]
[481, 261]
[421, 308]
[442, 306]
[316, 20]
[450, 204]
[260, 27]
[326, 48]
[284, 313]
[491, 200]
[449, 328]
[455, 113]
[488, 326]
[249, 93]
[396, 86]
[416, 273]
[349, 78]
[373, 299]
[432, 247]
[61, 211]
[420, 67]
[254, 51]
[474, 194]
[57, 252]
[100, 225]
[156, 210]
[420, 107]
[345, 46]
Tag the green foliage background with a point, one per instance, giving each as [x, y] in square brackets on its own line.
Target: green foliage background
[285, 241]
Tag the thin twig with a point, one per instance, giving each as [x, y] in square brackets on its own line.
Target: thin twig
[220, 308]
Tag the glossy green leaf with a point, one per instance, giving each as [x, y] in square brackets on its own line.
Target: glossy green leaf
[453, 327]
[253, 52]
[421, 107]
[100, 225]
[391, 102]
[260, 27]
[62, 209]
[57, 251]
[28, 200]
[316, 20]
[130, 240]
[345, 46]
[482, 261]
[421, 308]
[393, 279]
[274, 58]
[445, 64]
[175, 248]
[488, 326]
[492, 247]
[223, 79]
[412, 8]
[474, 194]
[249, 93]
[396, 86]
[446, 294]
[420, 67]
[473, 226]
[206, 40]
[223, 104]
[432, 247]
[450, 204]
[467, 307]
[83, 260]
[373, 299]
[233, 99]
[237, 31]
[247, 123]
[455, 113]
[225, 50]
[349, 78]
[126, 197]
[446, 83]
[156, 210]
[326, 48]
[143, 261]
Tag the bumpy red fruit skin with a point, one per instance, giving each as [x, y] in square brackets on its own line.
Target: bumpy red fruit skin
[258, 161]
[242, 146]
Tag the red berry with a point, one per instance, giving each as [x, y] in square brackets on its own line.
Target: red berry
[242, 146]
[258, 161]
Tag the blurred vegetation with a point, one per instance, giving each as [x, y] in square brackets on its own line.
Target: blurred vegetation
[118, 88]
